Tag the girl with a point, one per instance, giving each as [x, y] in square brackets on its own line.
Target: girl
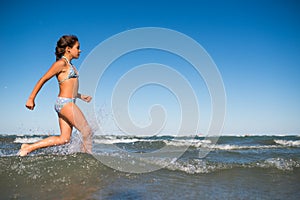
[68, 112]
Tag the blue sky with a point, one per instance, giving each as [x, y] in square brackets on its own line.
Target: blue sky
[255, 45]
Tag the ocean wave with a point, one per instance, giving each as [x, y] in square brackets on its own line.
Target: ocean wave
[197, 166]
[196, 143]
[289, 143]
[241, 147]
[280, 163]
[194, 166]
[209, 145]
[189, 166]
[115, 141]
[155, 143]
[171, 141]
[186, 143]
[23, 140]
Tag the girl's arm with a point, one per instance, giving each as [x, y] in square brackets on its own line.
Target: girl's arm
[83, 97]
[54, 69]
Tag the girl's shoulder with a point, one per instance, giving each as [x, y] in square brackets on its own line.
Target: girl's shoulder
[59, 66]
[60, 62]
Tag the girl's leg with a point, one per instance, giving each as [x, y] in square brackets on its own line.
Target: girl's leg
[73, 115]
[69, 116]
[65, 129]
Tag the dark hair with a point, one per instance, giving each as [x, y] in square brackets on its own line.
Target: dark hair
[64, 42]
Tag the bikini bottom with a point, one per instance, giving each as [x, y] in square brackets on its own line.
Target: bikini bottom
[61, 102]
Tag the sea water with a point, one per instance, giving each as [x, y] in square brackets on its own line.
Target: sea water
[236, 167]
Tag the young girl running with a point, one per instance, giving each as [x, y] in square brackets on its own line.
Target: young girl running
[69, 114]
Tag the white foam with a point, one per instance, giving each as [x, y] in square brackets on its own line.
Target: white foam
[192, 142]
[27, 140]
[194, 167]
[290, 143]
[173, 142]
[280, 163]
[115, 141]
[237, 147]
[177, 142]
[208, 144]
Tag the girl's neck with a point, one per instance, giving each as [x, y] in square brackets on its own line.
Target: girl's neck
[67, 58]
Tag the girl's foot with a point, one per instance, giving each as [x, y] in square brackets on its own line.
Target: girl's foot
[24, 150]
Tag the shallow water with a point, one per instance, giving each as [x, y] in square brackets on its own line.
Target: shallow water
[264, 167]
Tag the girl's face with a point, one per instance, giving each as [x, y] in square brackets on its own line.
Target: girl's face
[75, 50]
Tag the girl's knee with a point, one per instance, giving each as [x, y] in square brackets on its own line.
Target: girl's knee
[64, 140]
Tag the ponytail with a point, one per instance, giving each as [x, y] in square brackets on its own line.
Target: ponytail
[64, 42]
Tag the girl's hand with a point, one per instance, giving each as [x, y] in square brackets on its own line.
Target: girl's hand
[30, 104]
[86, 98]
